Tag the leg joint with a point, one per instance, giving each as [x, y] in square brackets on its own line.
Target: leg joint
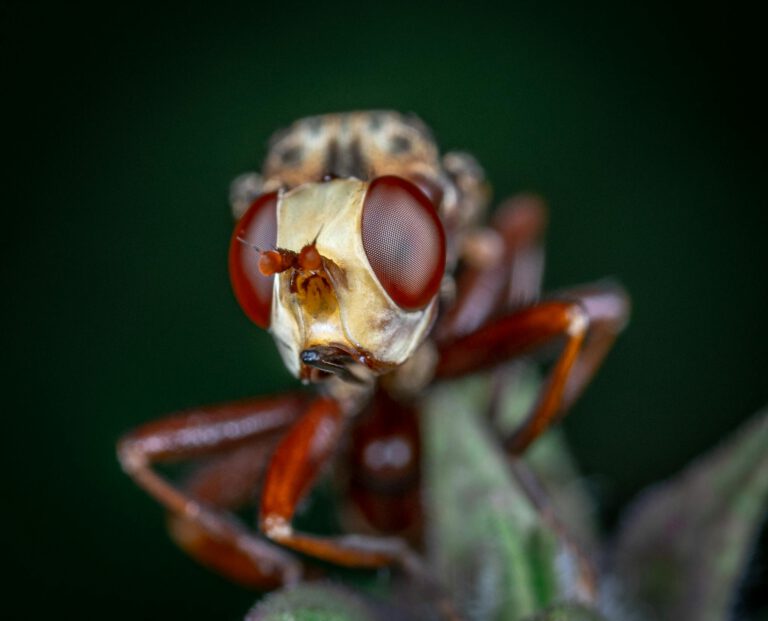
[131, 457]
[276, 527]
[578, 320]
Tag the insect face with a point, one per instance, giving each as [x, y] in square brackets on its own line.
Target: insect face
[353, 276]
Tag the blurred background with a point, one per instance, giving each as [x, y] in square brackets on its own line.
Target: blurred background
[639, 124]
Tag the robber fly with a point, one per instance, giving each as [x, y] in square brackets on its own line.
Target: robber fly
[361, 250]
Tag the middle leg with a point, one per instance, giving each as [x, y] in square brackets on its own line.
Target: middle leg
[588, 318]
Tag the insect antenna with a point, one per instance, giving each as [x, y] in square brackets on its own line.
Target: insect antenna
[320, 230]
[245, 242]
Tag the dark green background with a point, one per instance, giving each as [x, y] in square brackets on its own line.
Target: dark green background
[126, 125]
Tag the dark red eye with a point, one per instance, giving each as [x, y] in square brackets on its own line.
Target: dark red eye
[404, 241]
[256, 229]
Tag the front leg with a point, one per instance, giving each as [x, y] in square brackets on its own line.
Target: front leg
[200, 519]
[298, 460]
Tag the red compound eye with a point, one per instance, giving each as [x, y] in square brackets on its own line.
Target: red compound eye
[256, 229]
[404, 241]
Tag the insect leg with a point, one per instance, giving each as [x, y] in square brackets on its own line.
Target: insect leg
[503, 269]
[238, 434]
[385, 467]
[588, 318]
[299, 458]
[295, 465]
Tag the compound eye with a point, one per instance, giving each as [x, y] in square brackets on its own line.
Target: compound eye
[404, 241]
[257, 229]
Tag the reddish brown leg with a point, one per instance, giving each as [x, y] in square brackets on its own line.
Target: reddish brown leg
[226, 483]
[589, 324]
[197, 517]
[385, 467]
[298, 460]
[499, 278]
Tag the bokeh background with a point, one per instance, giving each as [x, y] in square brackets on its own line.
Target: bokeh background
[639, 124]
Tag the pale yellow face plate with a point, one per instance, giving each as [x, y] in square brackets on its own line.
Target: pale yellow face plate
[363, 318]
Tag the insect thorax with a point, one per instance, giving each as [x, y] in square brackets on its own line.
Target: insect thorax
[363, 145]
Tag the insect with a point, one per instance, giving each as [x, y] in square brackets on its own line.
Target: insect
[363, 252]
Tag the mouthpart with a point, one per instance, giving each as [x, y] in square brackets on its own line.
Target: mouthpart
[323, 361]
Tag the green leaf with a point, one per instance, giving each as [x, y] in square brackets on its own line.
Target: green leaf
[566, 612]
[488, 544]
[684, 545]
[311, 602]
